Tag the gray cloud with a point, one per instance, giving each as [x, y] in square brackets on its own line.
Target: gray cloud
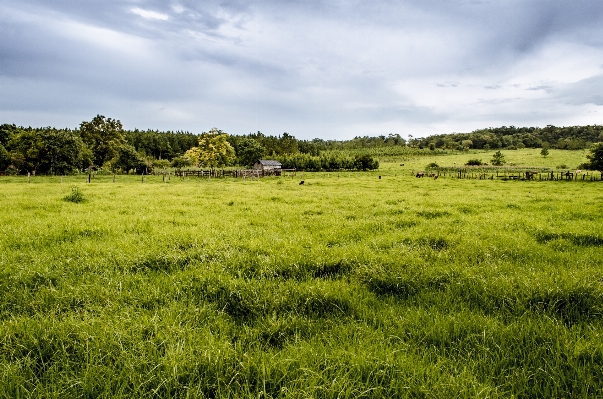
[311, 68]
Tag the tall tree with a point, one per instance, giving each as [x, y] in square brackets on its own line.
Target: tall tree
[249, 151]
[127, 158]
[214, 151]
[103, 136]
[596, 157]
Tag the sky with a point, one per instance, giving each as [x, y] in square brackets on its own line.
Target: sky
[315, 69]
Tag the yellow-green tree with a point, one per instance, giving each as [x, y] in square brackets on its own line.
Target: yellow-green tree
[214, 151]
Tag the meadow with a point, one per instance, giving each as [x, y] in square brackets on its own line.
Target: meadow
[350, 285]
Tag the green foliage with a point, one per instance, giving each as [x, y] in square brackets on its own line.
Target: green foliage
[214, 150]
[331, 161]
[76, 196]
[498, 159]
[249, 151]
[103, 136]
[4, 158]
[47, 151]
[365, 162]
[432, 165]
[545, 150]
[128, 158]
[181, 162]
[474, 162]
[595, 157]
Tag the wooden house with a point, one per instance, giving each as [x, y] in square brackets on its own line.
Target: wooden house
[268, 166]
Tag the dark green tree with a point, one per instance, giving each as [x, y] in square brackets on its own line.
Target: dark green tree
[103, 136]
[595, 157]
[545, 150]
[62, 152]
[249, 151]
[4, 158]
[48, 150]
[498, 159]
[366, 162]
[128, 158]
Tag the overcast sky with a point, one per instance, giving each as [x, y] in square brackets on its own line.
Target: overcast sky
[330, 69]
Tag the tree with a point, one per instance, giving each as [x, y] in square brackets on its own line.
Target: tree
[498, 159]
[4, 158]
[596, 157]
[181, 162]
[127, 158]
[249, 151]
[545, 150]
[214, 151]
[365, 162]
[48, 150]
[103, 137]
[62, 152]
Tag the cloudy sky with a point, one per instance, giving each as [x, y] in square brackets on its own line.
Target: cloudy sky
[331, 69]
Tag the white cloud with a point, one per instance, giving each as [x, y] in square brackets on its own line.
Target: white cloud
[146, 14]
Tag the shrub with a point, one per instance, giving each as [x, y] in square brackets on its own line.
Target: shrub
[432, 165]
[498, 159]
[562, 166]
[474, 162]
[76, 196]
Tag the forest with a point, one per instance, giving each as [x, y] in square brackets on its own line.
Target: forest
[103, 143]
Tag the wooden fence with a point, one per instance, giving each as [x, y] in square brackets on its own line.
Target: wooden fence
[527, 175]
[240, 173]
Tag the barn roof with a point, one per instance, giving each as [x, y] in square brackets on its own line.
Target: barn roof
[270, 162]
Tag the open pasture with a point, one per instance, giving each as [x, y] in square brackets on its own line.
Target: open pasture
[342, 287]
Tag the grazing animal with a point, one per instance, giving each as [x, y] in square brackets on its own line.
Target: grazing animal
[579, 171]
[301, 182]
[420, 174]
[435, 177]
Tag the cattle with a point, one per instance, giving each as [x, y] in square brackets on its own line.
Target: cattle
[420, 174]
[301, 182]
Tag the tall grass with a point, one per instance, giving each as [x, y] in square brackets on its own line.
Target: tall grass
[348, 286]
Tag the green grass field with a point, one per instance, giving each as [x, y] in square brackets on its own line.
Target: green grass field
[349, 286]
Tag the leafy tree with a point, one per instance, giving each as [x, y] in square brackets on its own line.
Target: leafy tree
[6, 133]
[214, 151]
[104, 136]
[545, 150]
[128, 158]
[249, 151]
[4, 158]
[181, 162]
[48, 150]
[498, 159]
[62, 152]
[366, 162]
[596, 157]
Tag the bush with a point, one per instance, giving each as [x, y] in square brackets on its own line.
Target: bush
[432, 165]
[474, 162]
[498, 159]
[76, 196]
[562, 166]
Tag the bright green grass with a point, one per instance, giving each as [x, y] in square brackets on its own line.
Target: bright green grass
[343, 287]
[527, 157]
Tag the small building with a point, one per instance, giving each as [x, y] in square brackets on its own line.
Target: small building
[268, 166]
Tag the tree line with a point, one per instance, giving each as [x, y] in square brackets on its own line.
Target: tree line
[511, 137]
[104, 143]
